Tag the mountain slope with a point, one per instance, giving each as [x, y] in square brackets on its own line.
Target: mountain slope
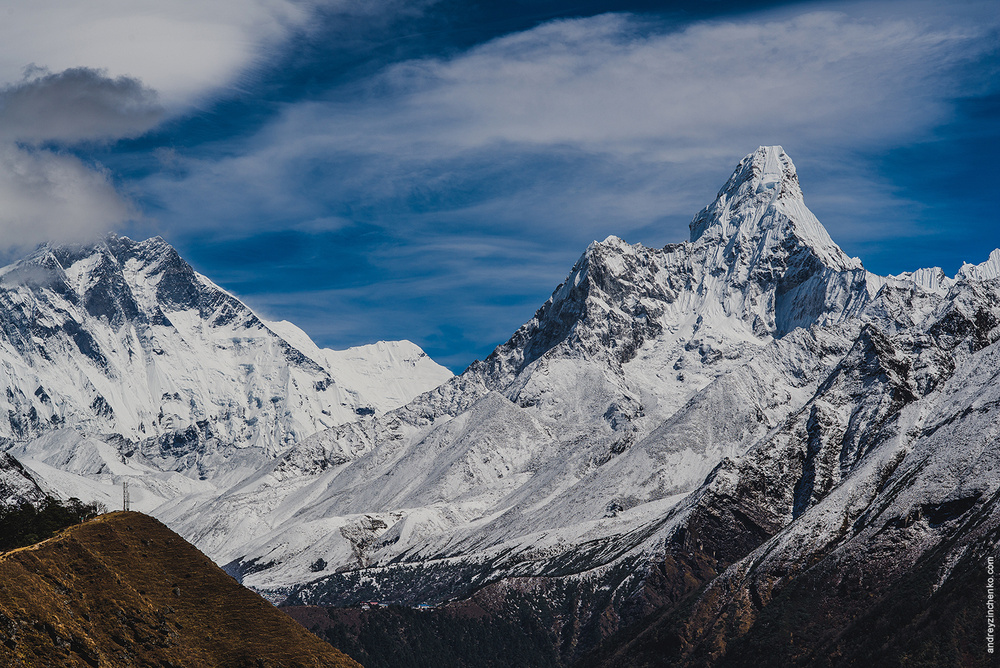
[123, 590]
[567, 435]
[665, 463]
[716, 414]
[17, 486]
[123, 342]
[890, 513]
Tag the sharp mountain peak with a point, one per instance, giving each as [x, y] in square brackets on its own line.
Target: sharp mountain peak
[760, 210]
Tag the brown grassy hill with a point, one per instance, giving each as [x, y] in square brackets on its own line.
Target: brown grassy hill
[124, 590]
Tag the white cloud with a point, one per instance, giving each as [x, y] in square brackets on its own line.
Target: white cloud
[181, 49]
[599, 125]
[53, 197]
[109, 69]
[614, 83]
[100, 71]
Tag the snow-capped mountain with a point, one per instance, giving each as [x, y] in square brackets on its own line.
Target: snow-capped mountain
[17, 486]
[119, 359]
[872, 503]
[695, 438]
[750, 410]
[587, 438]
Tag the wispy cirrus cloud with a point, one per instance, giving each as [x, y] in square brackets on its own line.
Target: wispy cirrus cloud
[563, 126]
[582, 128]
[620, 83]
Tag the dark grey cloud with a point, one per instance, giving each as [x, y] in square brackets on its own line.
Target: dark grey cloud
[52, 195]
[77, 104]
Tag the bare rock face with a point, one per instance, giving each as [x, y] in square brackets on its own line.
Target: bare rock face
[17, 486]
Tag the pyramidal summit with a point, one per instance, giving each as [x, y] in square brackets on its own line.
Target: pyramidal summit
[680, 452]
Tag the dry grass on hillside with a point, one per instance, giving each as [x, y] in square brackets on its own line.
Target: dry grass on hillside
[124, 590]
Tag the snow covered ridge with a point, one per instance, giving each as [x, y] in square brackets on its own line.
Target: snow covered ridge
[588, 437]
[752, 386]
[17, 486]
[124, 338]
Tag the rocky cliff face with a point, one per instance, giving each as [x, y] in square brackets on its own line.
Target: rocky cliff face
[17, 485]
[873, 507]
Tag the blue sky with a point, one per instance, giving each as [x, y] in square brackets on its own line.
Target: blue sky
[431, 170]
